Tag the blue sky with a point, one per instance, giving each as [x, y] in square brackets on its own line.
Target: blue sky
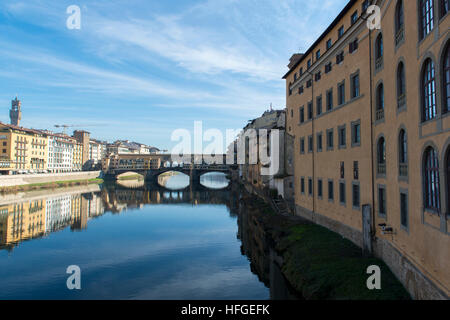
[139, 69]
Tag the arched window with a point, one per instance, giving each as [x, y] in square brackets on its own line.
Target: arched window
[379, 47]
[426, 14]
[431, 180]
[401, 86]
[445, 7]
[429, 110]
[447, 173]
[399, 17]
[403, 153]
[446, 79]
[399, 23]
[380, 102]
[381, 156]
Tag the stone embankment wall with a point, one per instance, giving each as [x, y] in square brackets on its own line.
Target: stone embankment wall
[27, 196]
[19, 180]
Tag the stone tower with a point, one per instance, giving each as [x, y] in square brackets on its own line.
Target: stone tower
[15, 113]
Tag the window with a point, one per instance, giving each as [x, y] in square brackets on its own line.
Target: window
[353, 46]
[355, 86]
[319, 142]
[317, 54]
[381, 201]
[403, 153]
[445, 6]
[447, 173]
[320, 188]
[429, 110]
[446, 78]
[355, 170]
[302, 115]
[301, 90]
[295, 77]
[330, 144]
[328, 67]
[356, 133]
[309, 83]
[301, 71]
[340, 58]
[354, 17]
[401, 86]
[381, 156]
[290, 89]
[341, 93]
[341, 32]
[380, 102]
[342, 192]
[302, 145]
[310, 144]
[355, 196]
[318, 76]
[310, 110]
[309, 63]
[399, 17]
[329, 99]
[329, 44]
[330, 190]
[342, 137]
[379, 52]
[302, 185]
[426, 16]
[365, 5]
[319, 105]
[310, 186]
[431, 180]
[404, 210]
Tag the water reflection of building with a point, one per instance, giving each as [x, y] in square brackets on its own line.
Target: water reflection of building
[59, 213]
[30, 219]
[259, 249]
[21, 221]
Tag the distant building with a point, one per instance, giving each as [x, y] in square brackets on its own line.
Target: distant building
[61, 151]
[22, 150]
[84, 138]
[15, 114]
[282, 179]
[129, 147]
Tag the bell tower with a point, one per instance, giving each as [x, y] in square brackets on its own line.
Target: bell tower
[15, 114]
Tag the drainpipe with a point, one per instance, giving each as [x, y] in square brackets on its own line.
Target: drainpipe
[313, 148]
[371, 132]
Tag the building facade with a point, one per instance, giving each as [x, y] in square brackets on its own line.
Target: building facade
[281, 178]
[22, 150]
[368, 110]
[61, 151]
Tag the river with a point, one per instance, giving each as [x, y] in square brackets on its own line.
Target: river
[132, 240]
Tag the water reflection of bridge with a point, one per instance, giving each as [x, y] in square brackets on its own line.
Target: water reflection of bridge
[117, 198]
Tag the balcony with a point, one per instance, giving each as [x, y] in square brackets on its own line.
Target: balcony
[379, 115]
[401, 101]
[403, 170]
[381, 169]
[400, 36]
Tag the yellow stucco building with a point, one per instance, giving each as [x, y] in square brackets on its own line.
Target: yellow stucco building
[369, 110]
[22, 150]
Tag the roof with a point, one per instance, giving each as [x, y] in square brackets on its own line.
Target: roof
[27, 130]
[323, 35]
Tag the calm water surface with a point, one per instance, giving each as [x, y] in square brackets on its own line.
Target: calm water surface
[131, 241]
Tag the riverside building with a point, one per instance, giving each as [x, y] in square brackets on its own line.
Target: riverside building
[369, 112]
